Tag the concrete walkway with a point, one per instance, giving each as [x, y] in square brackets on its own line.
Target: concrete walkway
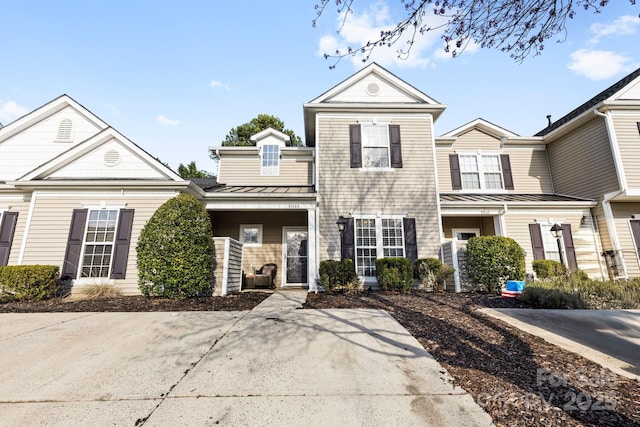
[608, 337]
[273, 366]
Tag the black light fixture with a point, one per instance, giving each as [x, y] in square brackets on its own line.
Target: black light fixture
[557, 233]
[342, 224]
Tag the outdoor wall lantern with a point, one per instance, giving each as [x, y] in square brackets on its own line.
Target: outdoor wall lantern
[557, 233]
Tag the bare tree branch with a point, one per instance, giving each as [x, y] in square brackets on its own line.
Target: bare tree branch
[518, 27]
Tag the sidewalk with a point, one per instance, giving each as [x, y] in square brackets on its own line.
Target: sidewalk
[275, 366]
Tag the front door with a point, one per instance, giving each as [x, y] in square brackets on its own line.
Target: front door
[295, 256]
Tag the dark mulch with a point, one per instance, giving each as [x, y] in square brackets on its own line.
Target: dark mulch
[518, 378]
[233, 302]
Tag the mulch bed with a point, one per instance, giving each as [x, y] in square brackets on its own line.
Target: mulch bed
[233, 302]
[518, 378]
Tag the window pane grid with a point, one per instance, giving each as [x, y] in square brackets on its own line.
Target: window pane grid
[481, 172]
[98, 247]
[377, 237]
[270, 159]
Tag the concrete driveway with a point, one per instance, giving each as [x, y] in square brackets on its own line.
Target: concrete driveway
[608, 337]
[274, 366]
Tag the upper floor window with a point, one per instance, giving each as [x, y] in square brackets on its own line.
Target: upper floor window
[375, 146]
[480, 172]
[270, 162]
[64, 130]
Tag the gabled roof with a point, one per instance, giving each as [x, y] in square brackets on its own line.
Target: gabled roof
[483, 126]
[605, 95]
[77, 152]
[381, 73]
[270, 132]
[372, 89]
[48, 109]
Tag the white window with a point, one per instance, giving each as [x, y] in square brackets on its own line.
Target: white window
[464, 234]
[98, 242]
[270, 161]
[64, 130]
[251, 234]
[375, 146]
[377, 237]
[481, 172]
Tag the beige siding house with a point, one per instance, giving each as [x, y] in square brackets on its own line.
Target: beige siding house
[76, 193]
[375, 163]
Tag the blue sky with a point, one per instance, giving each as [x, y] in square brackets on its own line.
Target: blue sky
[175, 77]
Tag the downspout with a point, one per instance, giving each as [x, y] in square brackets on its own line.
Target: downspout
[606, 202]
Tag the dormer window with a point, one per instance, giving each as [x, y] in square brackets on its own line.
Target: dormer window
[270, 159]
[64, 130]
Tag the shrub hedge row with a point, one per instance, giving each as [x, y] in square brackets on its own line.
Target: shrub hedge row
[332, 274]
[27, 282]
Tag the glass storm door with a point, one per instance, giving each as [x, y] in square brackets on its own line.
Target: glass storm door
[295, 256]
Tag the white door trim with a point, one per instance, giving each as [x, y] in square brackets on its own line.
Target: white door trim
[284, 283]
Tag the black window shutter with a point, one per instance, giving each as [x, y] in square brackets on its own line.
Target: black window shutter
[74, 244]
[569, 249]
[355, 146]
[506, 171]
[410, 243]
[121, 246]
[456, 178]
[348, 241]
[7, 228]
[395, 146]
[536, 241]
[635, 230]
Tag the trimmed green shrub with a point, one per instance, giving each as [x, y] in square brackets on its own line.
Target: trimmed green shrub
[28, 282]
[547, 268]
[492, 260]
[432, 273]
[394, 274]
[175, 250]
[331, 273]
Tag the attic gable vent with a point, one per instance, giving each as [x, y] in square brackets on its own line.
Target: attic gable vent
[373, 89]
[64, 130]
[111, 158]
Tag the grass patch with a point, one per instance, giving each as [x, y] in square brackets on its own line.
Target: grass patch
[579, 292]
[96, 290]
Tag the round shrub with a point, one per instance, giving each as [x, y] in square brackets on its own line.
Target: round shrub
[394, 274]
[332, 273]
[492, 260]
[548, 268]
[175, 250]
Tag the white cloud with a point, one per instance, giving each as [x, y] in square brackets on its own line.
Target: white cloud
[165, 121]
[624, 25]
[216, 84]
[598, 64]
[10, 110]
[361, 27]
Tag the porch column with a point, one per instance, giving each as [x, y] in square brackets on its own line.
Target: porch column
[312, 255]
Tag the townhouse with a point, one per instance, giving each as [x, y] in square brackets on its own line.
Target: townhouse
[74, 192]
